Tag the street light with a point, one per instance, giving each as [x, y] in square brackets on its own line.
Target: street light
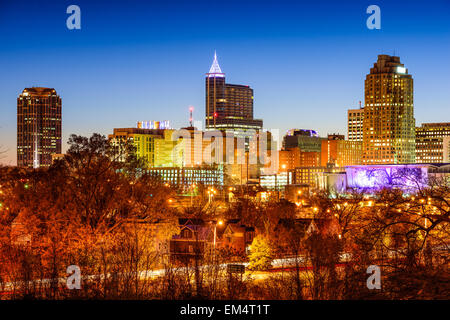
[220, 222]
[211, 193]
[192, 191]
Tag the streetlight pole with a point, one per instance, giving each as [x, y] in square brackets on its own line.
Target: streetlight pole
[220, 222]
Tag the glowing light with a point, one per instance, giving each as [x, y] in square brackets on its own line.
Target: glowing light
[401, 70]
[376, 177]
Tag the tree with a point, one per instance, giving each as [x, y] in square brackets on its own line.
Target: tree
[260, 254]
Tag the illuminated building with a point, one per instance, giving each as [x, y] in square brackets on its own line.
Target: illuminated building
[57, 157]
[368, 179]
[301, 148]
[310, 176]
[155, 146]
[389, 124]
[228, 106]
[38, 127]
[291, 158]
[185, 177]
[355, 124]
[433, 143]
[340, 152]
[276, 182]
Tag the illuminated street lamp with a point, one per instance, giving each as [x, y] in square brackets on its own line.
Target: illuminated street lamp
[219, 223]
[211, 193]
[192, 191]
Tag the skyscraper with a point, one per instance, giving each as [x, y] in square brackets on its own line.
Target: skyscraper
[228, 106]
[389, 124]
[38, 127]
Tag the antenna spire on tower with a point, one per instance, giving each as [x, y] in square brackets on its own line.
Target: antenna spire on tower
[215, 68]
[191, 118]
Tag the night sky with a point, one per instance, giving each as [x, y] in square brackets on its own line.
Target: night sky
[145, 60]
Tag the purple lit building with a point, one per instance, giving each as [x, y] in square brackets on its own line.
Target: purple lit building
[371, 178]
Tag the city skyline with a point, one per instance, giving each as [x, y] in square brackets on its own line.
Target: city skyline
[288, 69]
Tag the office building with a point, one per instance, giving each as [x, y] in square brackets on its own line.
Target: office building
[306, 140]
[389, 124]
[228, 106]
[340, 152]
[355, 124]
[38, 127]
[155, 146]
[291, 158]
[432, 143]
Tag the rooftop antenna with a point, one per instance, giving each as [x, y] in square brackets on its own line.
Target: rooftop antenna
[191, 118]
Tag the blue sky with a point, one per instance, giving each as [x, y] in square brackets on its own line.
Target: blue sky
[145, 60]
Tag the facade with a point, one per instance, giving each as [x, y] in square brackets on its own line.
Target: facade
[155, 146]
[185, 177]
[237, 236]
[389, 124]
[306, 140]
[432, 143]
[355, 124]
[228, 106]
[310, 176]
[369, 179]
[313, 177]
[276, 182]
[340, 152]
[300, 148]
[38, 127]
[194, 241]
[291, 158]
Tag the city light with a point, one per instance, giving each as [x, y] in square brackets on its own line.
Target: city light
[308, 174]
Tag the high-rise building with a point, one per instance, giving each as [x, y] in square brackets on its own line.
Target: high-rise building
[389, 124]
[228, 106]
[355, 124]
[38, 127]
[432, 143]
[340, 152]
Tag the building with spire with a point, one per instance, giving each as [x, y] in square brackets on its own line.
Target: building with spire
[38, 127]
[229, 107]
